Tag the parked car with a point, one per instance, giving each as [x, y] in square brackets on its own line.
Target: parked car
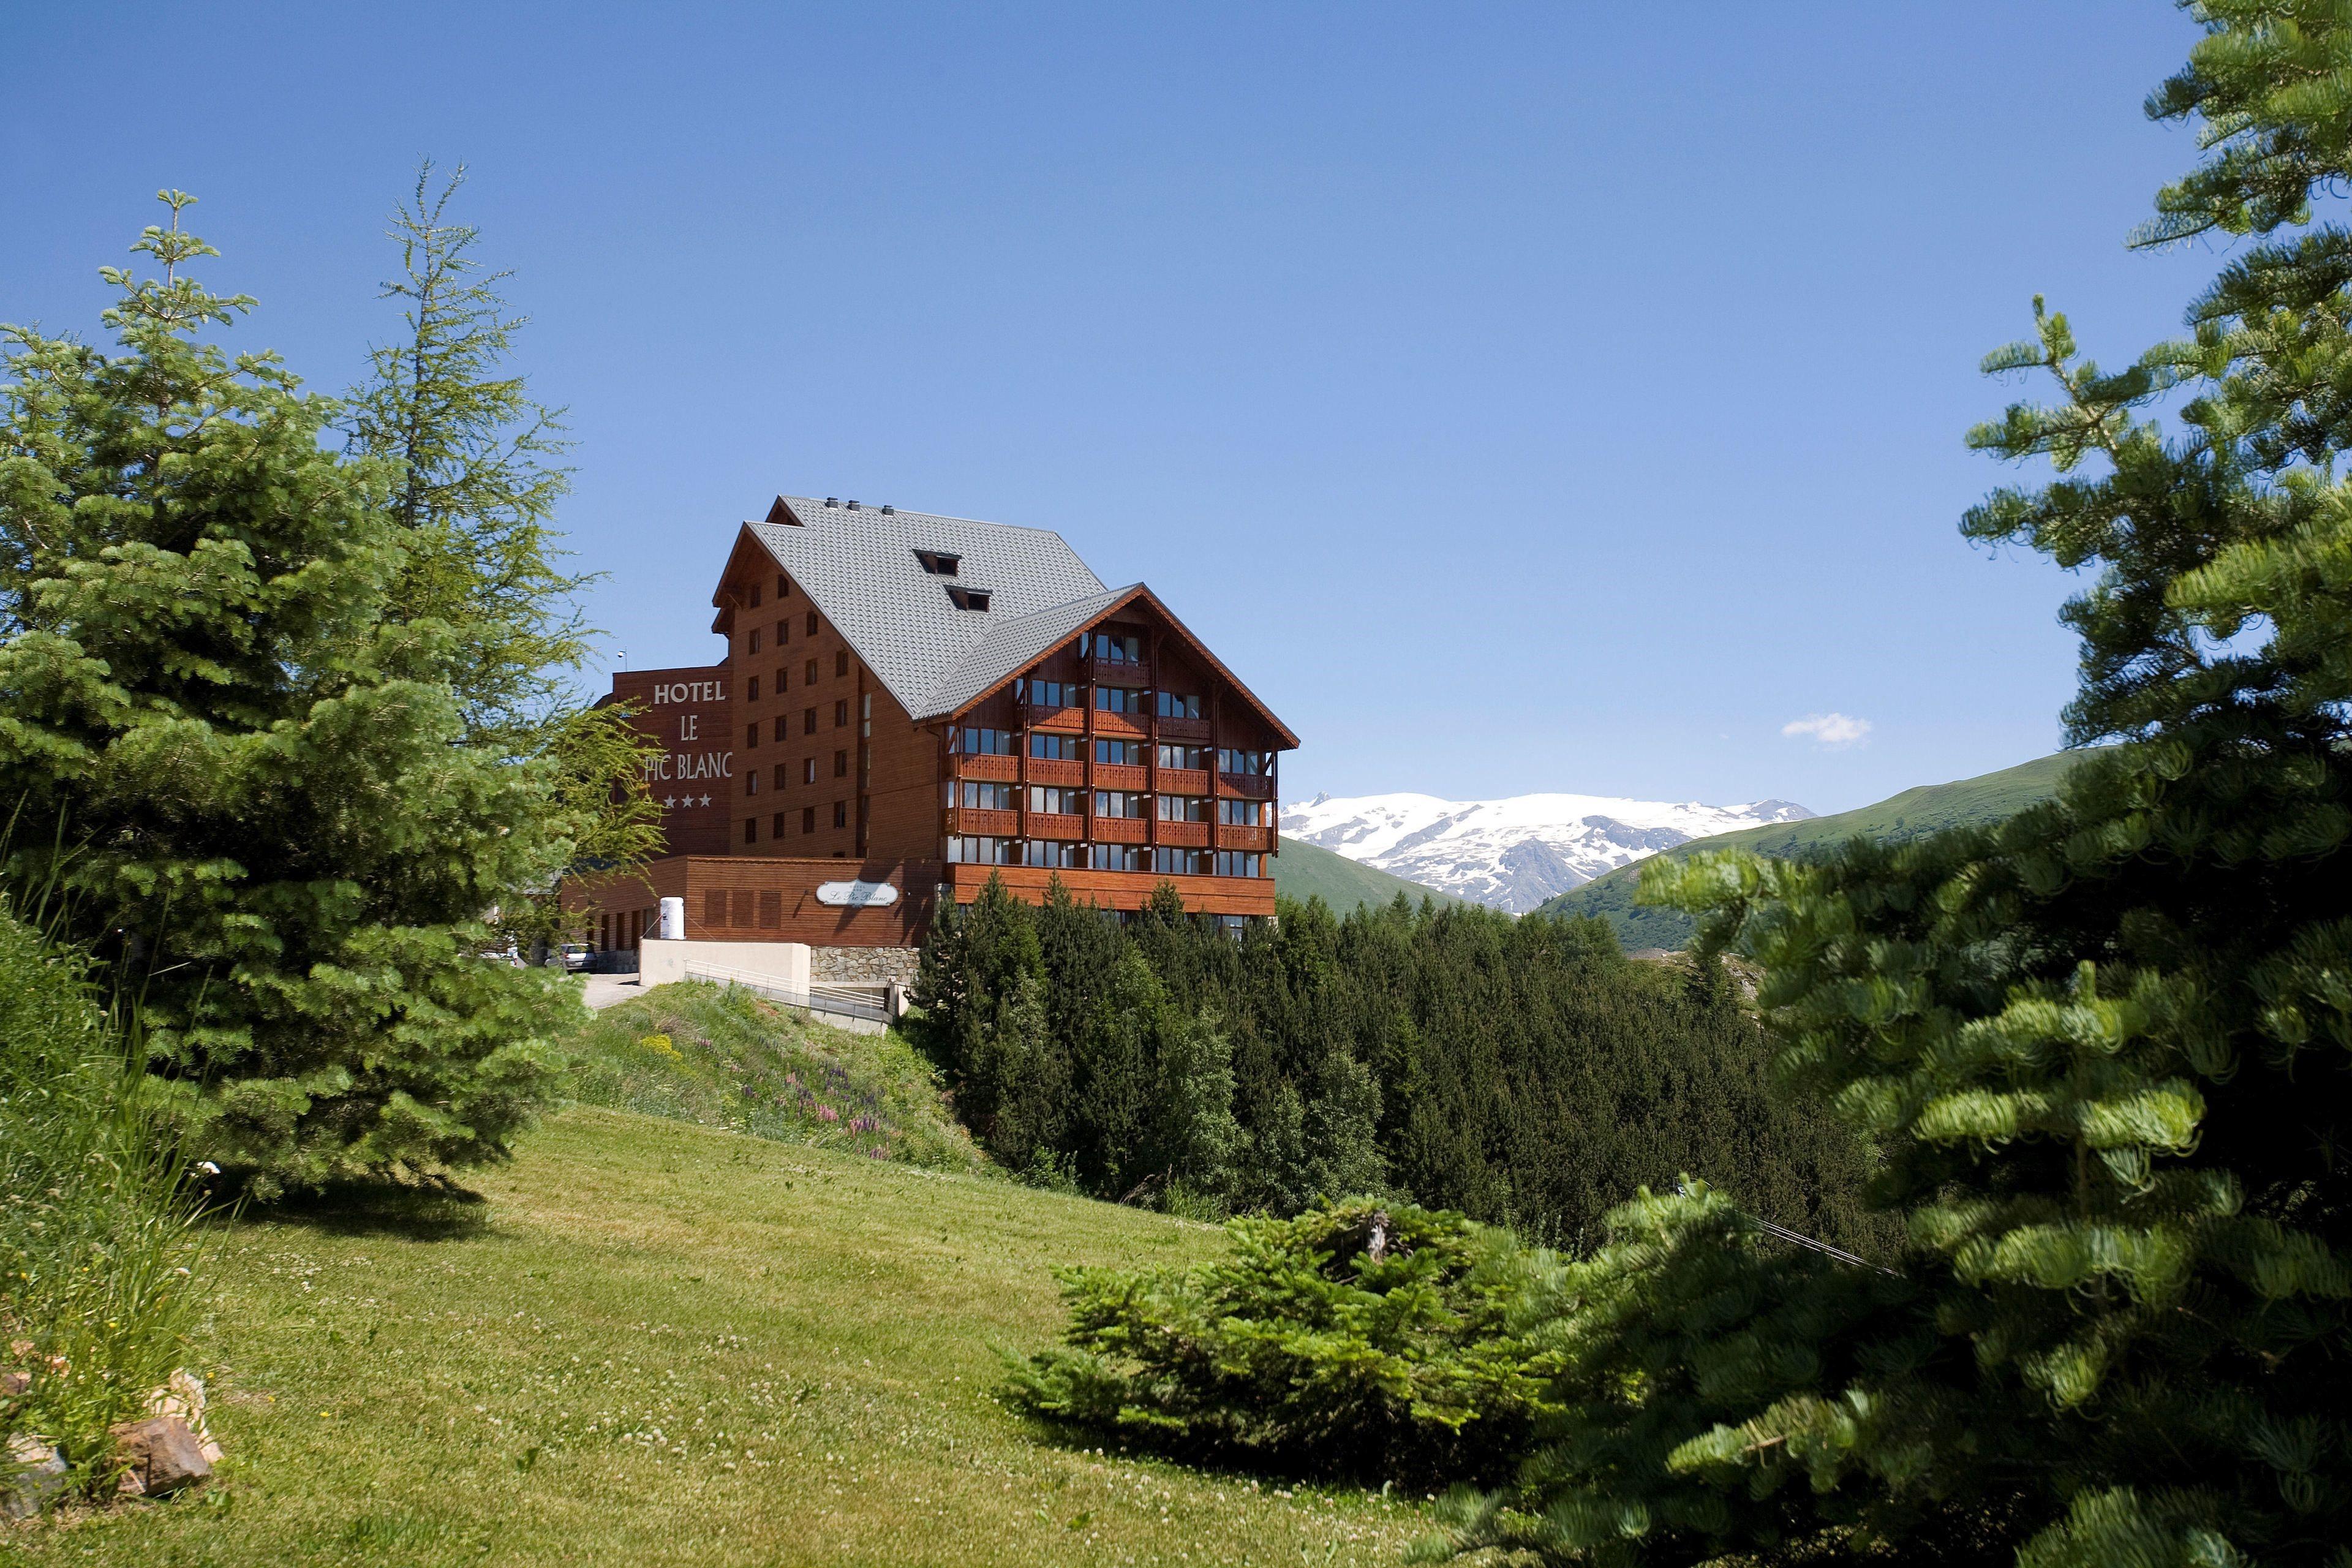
[574, 955]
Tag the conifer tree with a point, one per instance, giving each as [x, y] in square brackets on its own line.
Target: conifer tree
[259, 776]
[2102, 1046]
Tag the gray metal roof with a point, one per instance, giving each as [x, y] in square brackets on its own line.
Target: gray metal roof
[859, 568]
[1012, 645]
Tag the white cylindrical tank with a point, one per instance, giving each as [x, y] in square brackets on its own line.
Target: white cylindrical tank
[673, 920]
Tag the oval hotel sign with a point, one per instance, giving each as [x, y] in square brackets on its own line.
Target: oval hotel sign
[856, 895]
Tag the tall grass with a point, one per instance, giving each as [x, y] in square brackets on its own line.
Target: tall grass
[98, 1266]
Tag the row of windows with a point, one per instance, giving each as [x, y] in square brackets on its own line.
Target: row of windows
[782, 821]
[984, 794]
[784, 636]
[1061, 855]
[778, 775]
[1112, 648]
[781, 727]
[783, 676]
[1108, 698]
[784, 592]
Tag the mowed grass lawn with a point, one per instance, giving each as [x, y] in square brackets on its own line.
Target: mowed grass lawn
[658, 1344]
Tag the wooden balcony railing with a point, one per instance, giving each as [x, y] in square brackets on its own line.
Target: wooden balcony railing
[1127, 726]
[1258, 839]
[1005, 769]
[982, 822]
[1056, 771]
[1115, 671]
[1182, 728]
[1121, 829]
[1055, 824]
[1245, 786]
[1183, 834]
[1115, 776]
[1183, 781]
[1064, 717]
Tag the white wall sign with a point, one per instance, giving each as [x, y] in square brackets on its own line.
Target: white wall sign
[855, 895]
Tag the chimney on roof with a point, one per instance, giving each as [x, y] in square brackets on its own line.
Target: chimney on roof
[781, 513]
[888, 511]
[833, 500]
[853, 506]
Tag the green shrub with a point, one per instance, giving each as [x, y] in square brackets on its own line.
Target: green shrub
[722, 1057]
[1356, 1341]
[98, 1267]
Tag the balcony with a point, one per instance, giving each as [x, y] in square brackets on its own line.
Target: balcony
[1182, 835]
[1182, 780]
[1114, 672]
[1112, 775]
[1182, 729]
[980, 822]
[1121, 829]
[1131, 726]
[1054, 771]
[1067, 718]
[1002, 769]
[1257, 838]
[1055, 825]
[1246, 786]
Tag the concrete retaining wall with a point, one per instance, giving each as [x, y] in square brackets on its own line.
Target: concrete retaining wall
[781, 963]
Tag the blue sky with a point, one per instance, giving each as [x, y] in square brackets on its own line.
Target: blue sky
[1546, 398]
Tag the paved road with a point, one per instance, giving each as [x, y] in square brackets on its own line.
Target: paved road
[603, 990]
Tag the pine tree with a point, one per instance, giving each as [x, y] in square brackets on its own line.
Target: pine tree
[257, 777]
[2101, 1045]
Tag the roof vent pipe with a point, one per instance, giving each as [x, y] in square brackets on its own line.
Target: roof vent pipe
[853, 506]
[833, 500]
[888, 511]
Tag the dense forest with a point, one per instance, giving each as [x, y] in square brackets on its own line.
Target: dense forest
[1523, 1071]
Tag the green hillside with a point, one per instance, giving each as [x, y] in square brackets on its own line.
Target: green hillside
[653, 1342]
[1925, 809]
[1303, 871]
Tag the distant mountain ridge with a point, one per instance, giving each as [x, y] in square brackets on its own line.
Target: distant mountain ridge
[1516, 852]
[1925, 808]
[1302, 872]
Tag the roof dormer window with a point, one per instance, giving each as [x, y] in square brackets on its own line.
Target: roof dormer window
[939, 563]
[969, 598]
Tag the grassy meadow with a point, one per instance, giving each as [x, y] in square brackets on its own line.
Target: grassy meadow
[647, 1341]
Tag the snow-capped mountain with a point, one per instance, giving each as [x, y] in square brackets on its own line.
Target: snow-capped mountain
[1513, 854]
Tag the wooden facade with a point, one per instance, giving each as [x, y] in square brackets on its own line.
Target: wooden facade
[1122, 756]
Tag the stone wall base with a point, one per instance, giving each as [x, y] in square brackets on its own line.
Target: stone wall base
[872, 965]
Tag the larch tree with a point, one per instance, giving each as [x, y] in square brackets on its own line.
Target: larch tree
[272, 810]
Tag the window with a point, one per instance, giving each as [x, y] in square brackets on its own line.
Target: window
[1193, 757]
[752, 736]
[776, 828]
[811, 622]
[808, 770]
[939, 563]
[1122, 803]
[841, 814]
[972, 851]
[841, 713]
[1177, 862]
[1234, 863]
[1119, 753]
[1055, 748]
[808, 721]
[1245, 813]
[971, 743]
[1177, 705]
[776, 780]
[1112, 648]
[755, 595]
[1046, 693]
[980, 795]
[780, 687]
[784, 633]
[783, 588]
[1061, 801]
[1120, 698]
[969, 598]
[1250, 764]
[755, 639]
[841, 661]
[752, 690]
[1053, 852]
[866, 716]
[751, 830]
[1183, 808]
[751, 780]
[808, 673]
[1121, 858]
[840, 768]
[808, 813]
